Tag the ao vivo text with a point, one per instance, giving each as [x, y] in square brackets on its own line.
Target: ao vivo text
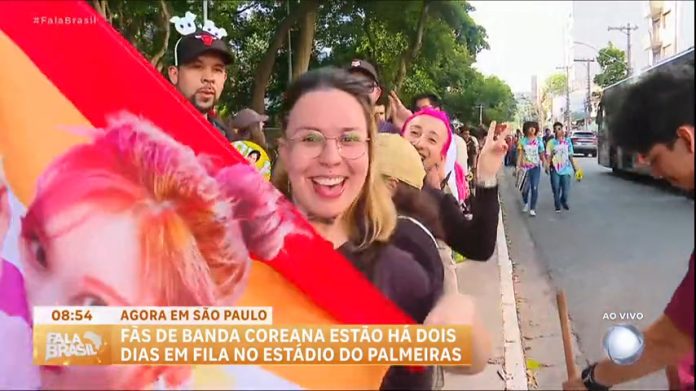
[622, 316]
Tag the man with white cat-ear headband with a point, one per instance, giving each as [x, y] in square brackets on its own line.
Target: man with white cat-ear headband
[200, 60]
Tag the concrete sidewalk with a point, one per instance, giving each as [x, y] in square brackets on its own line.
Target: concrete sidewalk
[492, 286]
[535, 295]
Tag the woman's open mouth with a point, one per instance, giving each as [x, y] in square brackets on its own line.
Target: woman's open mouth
[328, 187]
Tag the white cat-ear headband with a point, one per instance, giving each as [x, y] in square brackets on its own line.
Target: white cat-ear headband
[187, 25]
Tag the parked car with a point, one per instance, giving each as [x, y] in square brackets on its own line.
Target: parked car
[584, 143]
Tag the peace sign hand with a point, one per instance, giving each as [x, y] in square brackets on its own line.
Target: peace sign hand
[493, 152]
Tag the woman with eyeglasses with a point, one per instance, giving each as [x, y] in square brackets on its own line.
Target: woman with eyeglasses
[327, 152]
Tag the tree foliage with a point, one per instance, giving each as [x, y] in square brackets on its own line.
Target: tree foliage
[612, 60]
[556, 84]
[416, 46]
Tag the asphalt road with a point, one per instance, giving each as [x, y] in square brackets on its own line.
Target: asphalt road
[622, 248]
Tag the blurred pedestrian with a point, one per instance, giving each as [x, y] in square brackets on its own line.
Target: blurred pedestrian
[548, 135]
[248, 125]
[367, 74]
[426, 100]
[561, 165]
[472, 148]
[530, 158]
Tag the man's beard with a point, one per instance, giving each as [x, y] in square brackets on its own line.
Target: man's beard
[202, 109]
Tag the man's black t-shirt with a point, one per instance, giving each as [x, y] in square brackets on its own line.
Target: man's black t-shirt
[230, 136]
[407, 284]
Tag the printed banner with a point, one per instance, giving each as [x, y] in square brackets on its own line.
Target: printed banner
[232, 336]
[88, 128]
[250, 345]
[256, 156]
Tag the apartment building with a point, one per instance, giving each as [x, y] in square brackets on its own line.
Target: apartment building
[669, 28]
[591, 22]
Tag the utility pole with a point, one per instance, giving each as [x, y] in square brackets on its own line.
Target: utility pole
[480, 107]
[627, 31]
[205, 10]
[566, 116]
[588, 103]
[289, 49]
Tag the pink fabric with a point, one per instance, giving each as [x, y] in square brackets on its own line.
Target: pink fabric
[686, 373]
[13, 300]
[16, 368]
[462, 184]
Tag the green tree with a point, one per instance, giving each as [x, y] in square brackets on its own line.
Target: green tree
[526, 110]
[612, 60]
[419, 46]
[556, 84]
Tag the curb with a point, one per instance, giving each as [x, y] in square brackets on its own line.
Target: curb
[515, 368]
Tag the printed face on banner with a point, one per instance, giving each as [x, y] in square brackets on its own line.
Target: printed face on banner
[256, 156]
[111, 210]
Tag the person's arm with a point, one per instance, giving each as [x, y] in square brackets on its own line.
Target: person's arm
[667, 341]
[665, 345]
[473, 238]
[459, 309]
[571, 152]
[542, 154]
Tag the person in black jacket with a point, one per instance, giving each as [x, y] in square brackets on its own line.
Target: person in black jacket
[199, 73]
[418, 224]
[473, 235]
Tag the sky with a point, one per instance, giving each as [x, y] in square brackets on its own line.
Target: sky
[525, 38]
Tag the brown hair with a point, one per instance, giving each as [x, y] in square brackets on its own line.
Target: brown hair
[372, 216]
[420, 205]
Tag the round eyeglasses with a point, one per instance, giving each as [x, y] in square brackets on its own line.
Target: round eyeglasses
[350, 146]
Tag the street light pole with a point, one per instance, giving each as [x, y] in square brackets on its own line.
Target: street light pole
[205, 10]
[588, 104]
[627, 31]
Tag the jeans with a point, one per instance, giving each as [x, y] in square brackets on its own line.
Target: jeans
[560, 185]
[511, 157]
[534, 175]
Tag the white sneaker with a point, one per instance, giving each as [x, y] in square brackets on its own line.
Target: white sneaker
[526, 208]
[532, 212]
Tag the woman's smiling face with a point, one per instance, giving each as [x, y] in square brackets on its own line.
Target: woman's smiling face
[326, 152]
[428, 135]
